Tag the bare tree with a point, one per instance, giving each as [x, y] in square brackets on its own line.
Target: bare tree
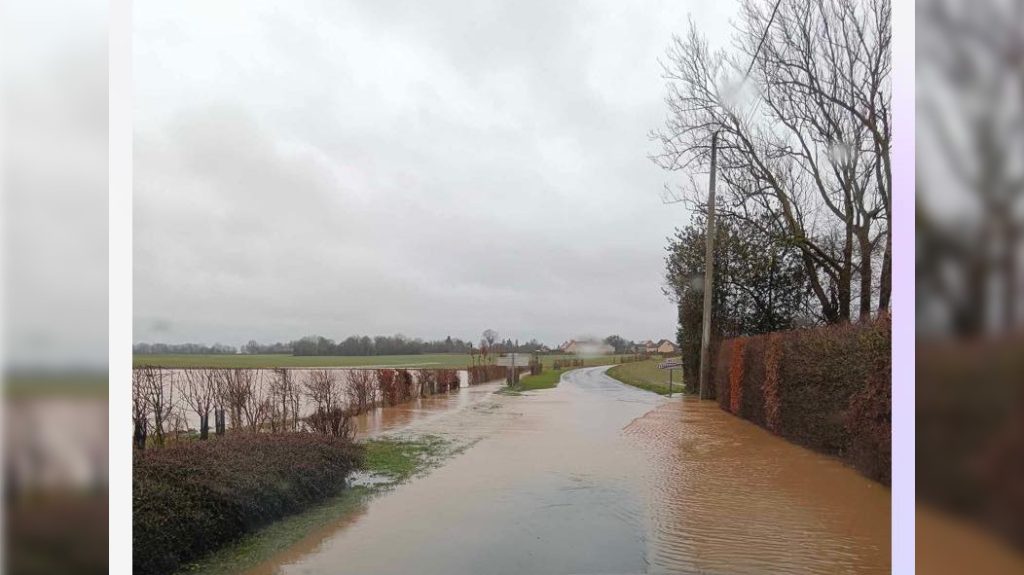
[257, 405]
[970, 196]
[233, 389]
[804, 138]
[140, 409]
[360, 389]
[199, 392]
[158, 392]
[322, 389]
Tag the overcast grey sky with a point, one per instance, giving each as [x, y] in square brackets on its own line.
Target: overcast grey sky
[424, 168]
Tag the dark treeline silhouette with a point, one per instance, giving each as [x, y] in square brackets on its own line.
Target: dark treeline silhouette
[183, 348]
[362, 345]
[355, 345]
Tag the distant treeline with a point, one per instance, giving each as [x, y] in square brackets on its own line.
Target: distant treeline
[362, 345]
[351, 346]
[183, 348]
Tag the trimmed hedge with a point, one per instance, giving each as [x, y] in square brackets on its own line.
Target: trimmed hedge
[193, 497]
[970, 430]
[829, 389]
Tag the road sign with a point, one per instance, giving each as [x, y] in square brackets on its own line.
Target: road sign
[671, 364]
[514, 360]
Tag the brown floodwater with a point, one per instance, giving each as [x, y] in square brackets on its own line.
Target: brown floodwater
[376, 420]
[597, 477]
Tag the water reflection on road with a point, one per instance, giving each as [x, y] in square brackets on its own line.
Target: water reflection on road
[598, 477]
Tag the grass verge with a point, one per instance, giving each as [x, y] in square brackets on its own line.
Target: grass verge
[647, 376]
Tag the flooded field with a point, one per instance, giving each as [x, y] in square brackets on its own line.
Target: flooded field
[597, 477]
[373, 421]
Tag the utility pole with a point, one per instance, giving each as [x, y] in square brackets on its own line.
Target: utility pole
[709, 261]
[709, 272]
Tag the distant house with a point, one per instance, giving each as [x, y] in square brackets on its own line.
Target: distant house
[666, 347]
[586, 347]
[647, 346]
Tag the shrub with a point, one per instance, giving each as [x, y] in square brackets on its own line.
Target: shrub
[752, 404]
[970, 436]
[335, 422]
[361, 390]
[404, 386]
[720, 374]
[484, 373]
[736, 375]
[828, 389]
[193, 497]
[770, 389]
[387, 388]
[447, 380]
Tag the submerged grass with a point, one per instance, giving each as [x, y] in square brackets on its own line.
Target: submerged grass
[392, 460]
[545, 380]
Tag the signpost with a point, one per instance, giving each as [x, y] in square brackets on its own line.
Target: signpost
[512, 361]
[670, 364]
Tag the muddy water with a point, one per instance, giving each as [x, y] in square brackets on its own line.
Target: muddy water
[597, 477]
[422, 410]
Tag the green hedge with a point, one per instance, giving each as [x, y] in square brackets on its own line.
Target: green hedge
[193, 497]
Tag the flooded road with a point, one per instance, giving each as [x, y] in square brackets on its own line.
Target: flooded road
[598, 477]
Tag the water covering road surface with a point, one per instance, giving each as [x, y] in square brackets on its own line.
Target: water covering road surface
[598, 477]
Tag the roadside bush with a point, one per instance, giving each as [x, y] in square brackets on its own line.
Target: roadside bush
[970, 430]
[427, 382]
[387, 386]
[193, 497]
[828, 389]
[361, 390]
[772, 360]
[404, 385]
[447, 380]
[335, 422]
[739, 346]
[483, 373]
[720, 373]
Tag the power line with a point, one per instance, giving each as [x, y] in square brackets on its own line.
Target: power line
[764, 35]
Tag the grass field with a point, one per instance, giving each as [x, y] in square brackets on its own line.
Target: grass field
[646, 375]
[438, 360]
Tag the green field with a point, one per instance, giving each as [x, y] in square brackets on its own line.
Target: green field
[646, 375]
[438, 360]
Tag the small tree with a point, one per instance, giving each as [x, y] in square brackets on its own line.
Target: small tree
[199, 393]
[140, 409]
[159, 397]
[360, 390]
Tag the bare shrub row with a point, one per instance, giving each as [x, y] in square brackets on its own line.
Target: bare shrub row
[829, 389]
[258, 400]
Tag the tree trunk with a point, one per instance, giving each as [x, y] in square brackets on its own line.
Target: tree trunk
[864, 241]
[846, 276]
[139, 437]
[204, 427]
[885, 282]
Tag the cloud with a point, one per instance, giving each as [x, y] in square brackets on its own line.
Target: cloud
[340, 168]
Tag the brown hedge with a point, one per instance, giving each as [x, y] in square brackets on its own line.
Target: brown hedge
[828, 389]
[970, 430]
[193, 497]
